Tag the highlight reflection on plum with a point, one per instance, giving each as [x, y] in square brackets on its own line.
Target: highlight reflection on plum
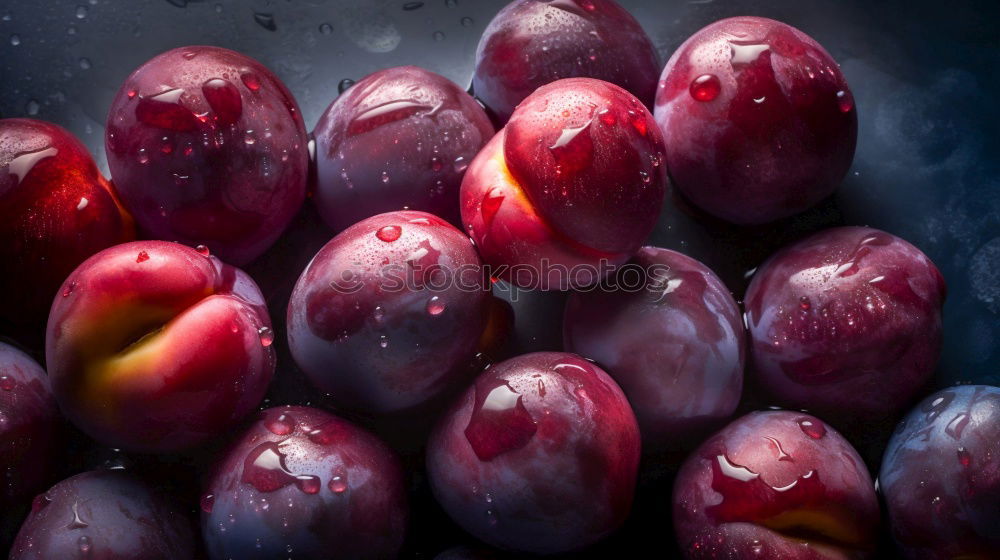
[303, 483]
[846, 322]
[941, 475]
[399, 138]
[540, 455]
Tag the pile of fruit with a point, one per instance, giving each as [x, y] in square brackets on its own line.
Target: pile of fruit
[161, 333]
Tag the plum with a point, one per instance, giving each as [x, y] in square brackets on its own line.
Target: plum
[673, 339]
[106, 514]
[846, 322]
[400, 138]
[775, 484]
[940, 476]
[207, 146]
[533, 42]
[56, 209]
[389, 313]
[153, 346]
[572, 185]
[757, 118]
[303, 483]
[539, 456]
[30, 427]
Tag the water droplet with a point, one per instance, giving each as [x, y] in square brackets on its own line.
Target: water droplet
[645, 177]
[143, 157]
[461, 164]
[81, 12]
[436, 164]
[266, 336]
[383, 341]
[15, 39]
[385, 177]
[7, 383]
[325, 28]
[759, 100]
[143, 256]
[804, 303]
[389, 233]
[131, 94]
[344, 85]
[283, 425]
[83, 543]
[310, 485]
[466, 21]
[250, 80]
[85, 63]
[224, 99]
[378, 314]
[812, 428]
[705, 87]
[338, 483]
[249, 139]
[40, 502]
[438, 36]
[32, 107]
[491, 204]
[410, 6]
[69, 289]
[435, 306]
[202, 250]
[265, 20]
[499, 422]
[207, 501]
[845, 101]
[964, 458]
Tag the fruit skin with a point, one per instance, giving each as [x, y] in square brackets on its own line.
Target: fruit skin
[674, 342]
[530, 43]
[106, 514]
[30, 427]
[573, 184]
[56, 209]
[795, 489]
[845, 323]
[265, 513]
[399, 138]
[155, 347]
[940, 475]
[552, 470]
[226, 163]
[362, 323]
[778, 136]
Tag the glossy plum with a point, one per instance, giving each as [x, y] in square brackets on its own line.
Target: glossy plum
[775, 484]
[531, 43]
[105, 514]
[758, 120]
[304, 483]
[56, 209]
[389, 313]
[153, 346]
[207, 147]
[672, 337]
[846, 323]
[941, 475]
[575, 180]
[399, 138]
[540, 455]
[30, 427]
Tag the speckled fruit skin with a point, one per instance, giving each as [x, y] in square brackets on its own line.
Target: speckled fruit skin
[207, 147]
[304, 483]
[574, 180]
[845, 323]
[30, 427]
[775, 484]
[530, 43]
[940, 475]
[675, 343]
[106, 515]
[56, 209]
[399, 138]
[390, 312]
[539, 456]
[155, 347]
[758, 120]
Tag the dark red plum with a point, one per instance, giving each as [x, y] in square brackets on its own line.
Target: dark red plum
[30, 427]
[56, 209]
[156, 347]
[574, 180]
[389, 313]
[775, 484]
[302, 483]
[940, 475]
[674, 340]
[758, 120]
[540, 455]
[400, 138]
[106, 515]
[207, 147]
[845, 323]
[531, 43]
